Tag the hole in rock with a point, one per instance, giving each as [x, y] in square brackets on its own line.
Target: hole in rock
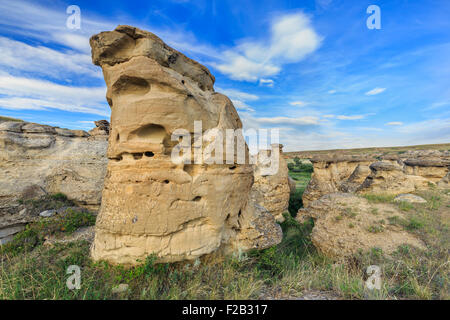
[150, 133]
[137, 156]
[166, 181]
[232, 167]
[149, 154]
[182, 81]
[197, 198]
[239, 214]
[117, 159]
[118, 137]
[130, 85]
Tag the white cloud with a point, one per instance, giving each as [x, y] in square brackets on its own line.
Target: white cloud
[22, 93]
[242, 105]
[266, 82]
[236, 94]
[20, 57]
[332, 91]
[291, 39]
[300, 121]
[239, 98]
[375, 91]
[355, 117]
[298, 103]
[394, 123]
[48, 24]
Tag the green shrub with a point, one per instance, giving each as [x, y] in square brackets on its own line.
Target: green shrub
[35, 233]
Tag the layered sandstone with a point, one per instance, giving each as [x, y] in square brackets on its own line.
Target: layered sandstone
[38, 159]
[271, 190]
[152, 204]
[388, 178]
[392, 174]
[334, 174]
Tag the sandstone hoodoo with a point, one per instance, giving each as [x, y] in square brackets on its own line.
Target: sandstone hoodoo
[151, 204]
[272, 191]
[335, 174]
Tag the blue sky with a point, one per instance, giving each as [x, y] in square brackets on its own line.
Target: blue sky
[310, 68]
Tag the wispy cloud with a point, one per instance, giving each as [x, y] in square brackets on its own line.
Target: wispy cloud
[394, 123]
[298, 103]
[19, 57]
[375, 91]
[355, 117]
[266, 82]
[21, 93]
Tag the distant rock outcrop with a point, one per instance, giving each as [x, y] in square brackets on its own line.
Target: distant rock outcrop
[152, 205]
[389, 175]
[38, 159]
[334, 174]
[102, 128]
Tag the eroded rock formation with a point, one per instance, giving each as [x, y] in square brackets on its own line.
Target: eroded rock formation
[151, 204]
[335, 174]
[272, 191]
[388, 175]
[38, 159]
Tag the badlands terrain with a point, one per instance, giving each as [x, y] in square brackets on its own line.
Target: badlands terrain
[140, 226]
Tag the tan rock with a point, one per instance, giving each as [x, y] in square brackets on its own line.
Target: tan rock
[38, 159]
[150, 204]
[433, 169]
[345, 223]
[330, 173]
[101, 129]
[272, 191]
[388, 178]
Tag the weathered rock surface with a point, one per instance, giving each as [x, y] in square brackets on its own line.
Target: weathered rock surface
[38, 159]
[390, 175]
[345, 223]
[83, 233]
[150, 204]
[272, 191]
[102, 128]
[411, 198]
[388, 178]
[330, 173]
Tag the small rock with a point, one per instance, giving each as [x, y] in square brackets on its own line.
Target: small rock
[23, 212]
[120, 288]
[47, 213]
[411, 198]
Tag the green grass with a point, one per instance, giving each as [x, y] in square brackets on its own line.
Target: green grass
[301, 179]
[35, 233]
[379, 198]
[286, 270]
